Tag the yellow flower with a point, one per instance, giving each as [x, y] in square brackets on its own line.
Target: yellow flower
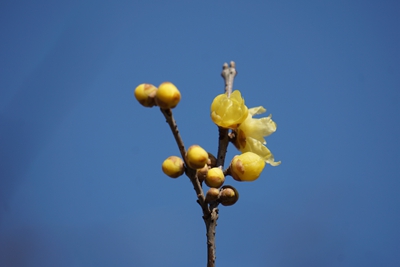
[250, 135]
[229, 111]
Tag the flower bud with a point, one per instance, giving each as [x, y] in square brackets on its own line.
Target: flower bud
[168, 96]
[173, 166]
[145, 94]
[228, 195]
[212, 194]
[215, 177]
[196, 157]
[246, 167]
[229, 111]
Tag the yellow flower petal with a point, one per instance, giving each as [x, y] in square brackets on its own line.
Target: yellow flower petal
[228, 112]
[255, 146]
[257, 110]
[258, 128]
[250, 135]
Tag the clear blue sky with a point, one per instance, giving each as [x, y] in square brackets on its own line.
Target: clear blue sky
[80, 163]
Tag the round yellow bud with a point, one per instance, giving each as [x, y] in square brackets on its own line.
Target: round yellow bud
[212, 194]
[173, 166]
[228, 196]
[246, 167]
[145, 94]
[196, 157]
[215, 177]
[168, 96]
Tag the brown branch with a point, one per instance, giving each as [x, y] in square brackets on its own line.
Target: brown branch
[223, 142]
[189, 172]
[211, 224]
[228, 73]
[174, 129]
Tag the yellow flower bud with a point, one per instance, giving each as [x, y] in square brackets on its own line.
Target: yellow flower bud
[228, 195]
[173, 166]
[168, 96]
[215, 177]
[246, 167]
[196, 157]
[145, 94]
[228, 112]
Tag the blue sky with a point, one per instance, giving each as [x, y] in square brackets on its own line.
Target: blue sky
[80, 173]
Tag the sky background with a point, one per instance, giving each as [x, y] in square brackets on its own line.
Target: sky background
[80, 162]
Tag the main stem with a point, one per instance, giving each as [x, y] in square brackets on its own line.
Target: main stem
[228, 73]
[211, 224]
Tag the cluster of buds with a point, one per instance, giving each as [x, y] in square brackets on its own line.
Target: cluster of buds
[228, 111]
[227, 195]
[204, 163]
[166, 96]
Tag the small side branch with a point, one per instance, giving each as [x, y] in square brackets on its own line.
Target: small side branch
[174, 129]
[189, 172]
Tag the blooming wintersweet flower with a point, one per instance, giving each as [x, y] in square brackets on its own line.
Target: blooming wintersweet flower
[250, 135]
[229, 111]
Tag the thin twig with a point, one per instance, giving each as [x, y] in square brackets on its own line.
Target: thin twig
[189, 172]
[174, 129]
[223, 142]
[228, 73]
